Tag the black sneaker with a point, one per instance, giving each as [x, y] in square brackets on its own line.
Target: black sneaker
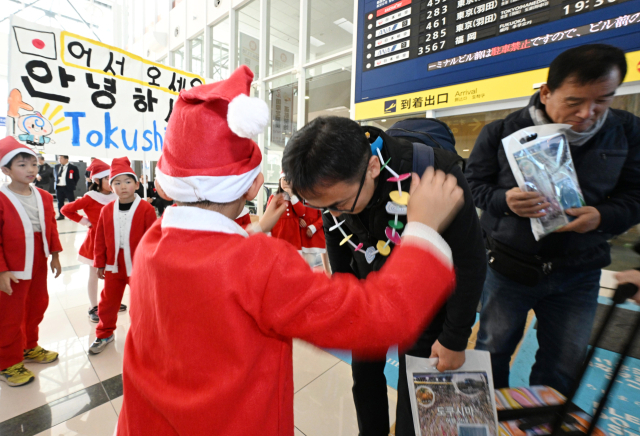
[93, 315]
[123, 307]
[60, 217]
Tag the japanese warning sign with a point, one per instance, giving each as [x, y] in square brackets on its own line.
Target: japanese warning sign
[72, 95]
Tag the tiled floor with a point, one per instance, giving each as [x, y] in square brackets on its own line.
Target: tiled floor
[73, 396]
[82, 395]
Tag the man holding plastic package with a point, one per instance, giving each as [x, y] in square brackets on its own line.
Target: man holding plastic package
[559, 275]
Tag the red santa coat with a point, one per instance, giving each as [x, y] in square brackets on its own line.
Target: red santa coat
[91, 203]
[244, 219]
[16, 232]
[315, 243]
[231, 373]
[288, 226]
[107, 242]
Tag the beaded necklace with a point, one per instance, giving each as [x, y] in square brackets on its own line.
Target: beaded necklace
[396, 207]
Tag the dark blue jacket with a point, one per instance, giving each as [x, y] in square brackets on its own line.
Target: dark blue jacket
[608, 168]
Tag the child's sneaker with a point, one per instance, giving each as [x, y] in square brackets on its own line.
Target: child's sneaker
[93, 315]
[17, 375]
[99, 345]
[123, 307]
[39, 355]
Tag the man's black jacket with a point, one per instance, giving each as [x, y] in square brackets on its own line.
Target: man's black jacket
[463, 236]
[608, 169]
[73, 175]
[45, 172]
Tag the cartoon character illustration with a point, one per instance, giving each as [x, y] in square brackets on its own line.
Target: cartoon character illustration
[35, 126]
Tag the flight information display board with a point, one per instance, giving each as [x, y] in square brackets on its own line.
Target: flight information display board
[410, 45]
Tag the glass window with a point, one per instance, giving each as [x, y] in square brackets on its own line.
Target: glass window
[329, 89]
[282, 98]
[248, 25]
[330, 28]
[284, 25]
[197, 55]
[219, 68]
[466, 128]
[163, 61]
[178, 58]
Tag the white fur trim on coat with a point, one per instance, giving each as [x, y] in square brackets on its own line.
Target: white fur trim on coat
[195, 218]
[102, 198]
[26, 273]
[116, 232]
[84, 260]
[218, 189]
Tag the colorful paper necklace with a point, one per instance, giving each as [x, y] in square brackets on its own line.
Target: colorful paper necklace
[396, 207]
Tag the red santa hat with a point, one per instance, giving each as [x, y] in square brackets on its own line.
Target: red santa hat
[120, 166]
[208, 153]
[9, 148]
[98, 170]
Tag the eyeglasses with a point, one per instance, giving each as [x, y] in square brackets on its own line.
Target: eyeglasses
[355, 202]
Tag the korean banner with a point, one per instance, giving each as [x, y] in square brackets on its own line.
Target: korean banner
[76, 96]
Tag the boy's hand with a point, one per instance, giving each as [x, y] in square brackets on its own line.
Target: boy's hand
[286, 187]
[5, 282]
[303, 223]
[101, 273]
[435, 199]
[56, 268]
[309, 233]
[274, 210]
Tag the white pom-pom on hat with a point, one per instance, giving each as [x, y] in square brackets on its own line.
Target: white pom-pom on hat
[247, 116]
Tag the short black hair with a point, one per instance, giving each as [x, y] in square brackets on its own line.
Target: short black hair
[326, 151]
[41, 157]
[587, 64]
[22, 155]
[64, 156]
[97, 186]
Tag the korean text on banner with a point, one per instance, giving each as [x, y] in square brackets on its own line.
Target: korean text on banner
[76, 96]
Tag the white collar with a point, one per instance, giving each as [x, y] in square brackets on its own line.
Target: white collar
[195, 218]
[101, 198]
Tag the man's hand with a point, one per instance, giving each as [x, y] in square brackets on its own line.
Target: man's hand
[56, 268]
[526, 204]
[149, 199]
[435, 199]
[448, 360]
[274, 210]
[5, 282]
[303, 223]
[101, 273]
[633, 277]
[588, 219]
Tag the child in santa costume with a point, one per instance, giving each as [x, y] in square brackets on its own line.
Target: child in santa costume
[121, 226]
[28, 235]
[292, 220]
[215, 310]
[91, 203]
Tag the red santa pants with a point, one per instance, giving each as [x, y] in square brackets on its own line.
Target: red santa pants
[22, 311]
[111, 298]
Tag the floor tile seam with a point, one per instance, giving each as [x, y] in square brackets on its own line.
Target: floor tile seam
[298, 428]
[319, 375]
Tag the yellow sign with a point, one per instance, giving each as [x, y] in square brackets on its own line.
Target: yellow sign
[481, 91]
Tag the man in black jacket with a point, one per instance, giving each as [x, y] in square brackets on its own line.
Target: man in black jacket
[559, 275]
[45, 173]
[67, 176]
[331, 165]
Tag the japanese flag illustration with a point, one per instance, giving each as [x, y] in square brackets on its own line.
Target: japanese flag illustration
[37, 43]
